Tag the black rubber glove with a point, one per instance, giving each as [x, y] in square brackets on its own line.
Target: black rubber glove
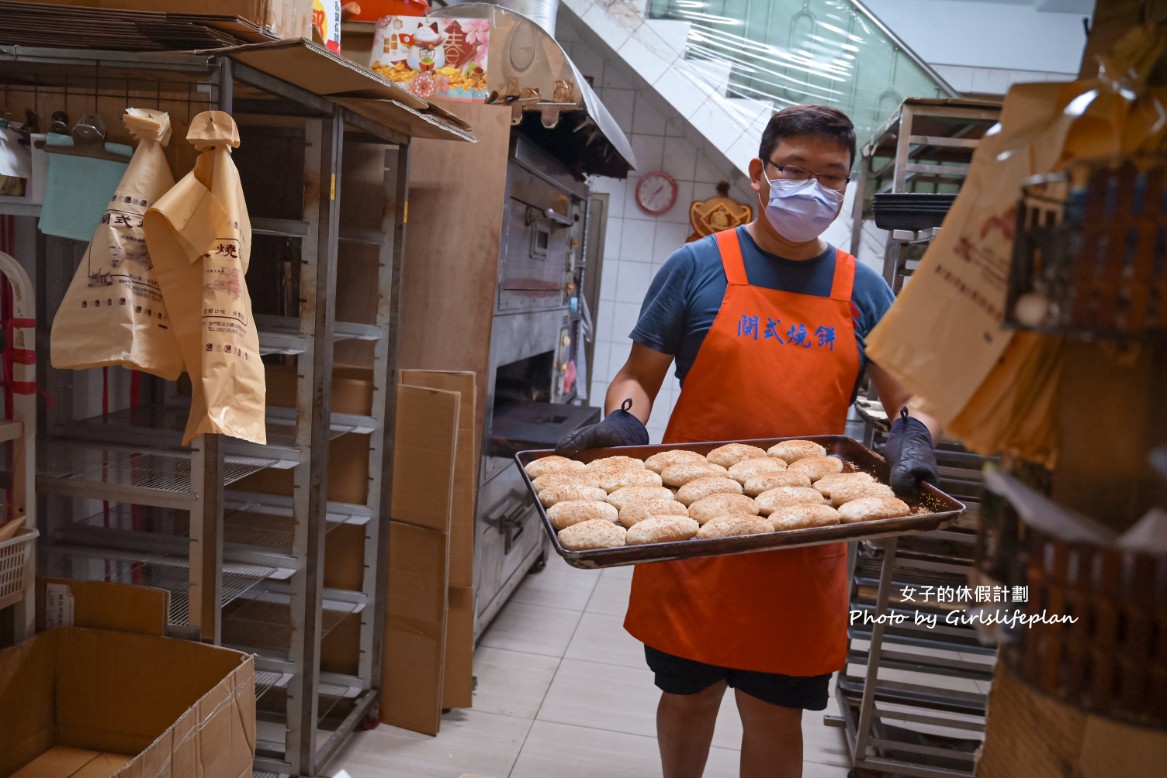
[620, 428]
[910, 454]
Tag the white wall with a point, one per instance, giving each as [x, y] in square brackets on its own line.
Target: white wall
[635, 243]
[998, 35]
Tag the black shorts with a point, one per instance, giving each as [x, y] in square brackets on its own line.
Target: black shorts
[677, 675]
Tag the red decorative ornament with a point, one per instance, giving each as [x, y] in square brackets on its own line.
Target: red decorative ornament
[459, 51]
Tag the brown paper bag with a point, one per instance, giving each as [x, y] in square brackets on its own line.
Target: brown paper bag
[943, 335]
[113, 312]
[200, 237]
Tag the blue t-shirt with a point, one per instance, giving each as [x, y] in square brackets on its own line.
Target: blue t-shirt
[686, 294]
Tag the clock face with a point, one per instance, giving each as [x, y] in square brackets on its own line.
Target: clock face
[656, 192]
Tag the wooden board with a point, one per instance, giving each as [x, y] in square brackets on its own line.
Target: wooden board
[457, 192]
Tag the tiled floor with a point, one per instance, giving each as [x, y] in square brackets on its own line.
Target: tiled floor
[563, 692]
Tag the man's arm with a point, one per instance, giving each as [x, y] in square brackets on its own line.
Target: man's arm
[895, 397]
[911, 440]
[639, 380]
[636, 385]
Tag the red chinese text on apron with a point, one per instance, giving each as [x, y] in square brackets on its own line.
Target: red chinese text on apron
[774, 364]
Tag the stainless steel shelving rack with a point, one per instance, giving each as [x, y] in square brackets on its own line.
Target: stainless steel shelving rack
[912, 697]
[924, 147]
[126, 502]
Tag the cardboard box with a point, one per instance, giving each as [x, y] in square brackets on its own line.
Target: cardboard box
[465, 466]
[415, 633]
[458, 675]
[94, 703]
[413, 665]
[425, 443]
[282, 18]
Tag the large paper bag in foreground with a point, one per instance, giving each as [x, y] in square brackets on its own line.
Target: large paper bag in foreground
[113, 313]
[199, 235]
[944, 334]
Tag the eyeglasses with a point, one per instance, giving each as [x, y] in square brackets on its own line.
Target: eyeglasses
[795, 173]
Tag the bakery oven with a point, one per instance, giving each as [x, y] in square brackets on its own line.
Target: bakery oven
[560, 133]
[535, 336]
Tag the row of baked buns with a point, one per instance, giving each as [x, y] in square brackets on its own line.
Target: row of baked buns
[735, 489]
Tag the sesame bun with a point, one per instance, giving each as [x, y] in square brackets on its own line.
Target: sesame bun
[605, 465]
[564, 514]
[662, 459]
[794, 450]
[639, 511]
[764, 482]
[619, 478]
[871, 508]
[803, 515]
[630, 494]
[732, 453]
[679, 475]
[844, 493]
[596, 533]
[751, 467]
[729, 526]
[573, 477]
[703, 487]
[557, 494]
[723, 504]
[661, 529]
[817, 467]
[827, 482]
[552, 464]
[773, 499]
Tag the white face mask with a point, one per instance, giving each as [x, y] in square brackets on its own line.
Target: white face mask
[801, 210]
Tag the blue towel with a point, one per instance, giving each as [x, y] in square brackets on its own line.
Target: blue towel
[78, 190]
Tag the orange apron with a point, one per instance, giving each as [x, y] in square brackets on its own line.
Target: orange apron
[767, 368]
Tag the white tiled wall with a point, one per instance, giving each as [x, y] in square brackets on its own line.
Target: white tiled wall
[635, 243]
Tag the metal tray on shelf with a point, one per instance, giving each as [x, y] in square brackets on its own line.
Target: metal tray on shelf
[932, 509]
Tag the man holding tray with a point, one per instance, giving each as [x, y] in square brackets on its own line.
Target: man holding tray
[765, 323]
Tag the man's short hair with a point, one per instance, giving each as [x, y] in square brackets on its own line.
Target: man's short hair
[820, 121]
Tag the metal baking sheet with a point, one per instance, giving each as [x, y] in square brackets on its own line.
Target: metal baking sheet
[932, 509]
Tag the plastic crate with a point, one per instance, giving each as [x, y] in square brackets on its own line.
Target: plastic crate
[15, 556]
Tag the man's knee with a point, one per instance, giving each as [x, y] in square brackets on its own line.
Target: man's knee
[709, 697]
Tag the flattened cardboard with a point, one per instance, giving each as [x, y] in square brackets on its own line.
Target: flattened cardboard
[65, 762]
[458, 680]
[181, 708]
[425, 443]
[415, 639]
[465, 466]
[458, 676]
[115, 606]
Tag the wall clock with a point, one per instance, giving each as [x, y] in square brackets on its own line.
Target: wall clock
[656, 192]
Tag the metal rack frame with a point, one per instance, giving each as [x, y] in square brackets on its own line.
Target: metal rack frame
[197, 481]
[926, 145]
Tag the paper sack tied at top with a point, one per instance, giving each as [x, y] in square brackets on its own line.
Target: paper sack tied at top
[113, 313]
[199, 236]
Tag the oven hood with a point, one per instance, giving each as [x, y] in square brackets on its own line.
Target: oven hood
[530, 72]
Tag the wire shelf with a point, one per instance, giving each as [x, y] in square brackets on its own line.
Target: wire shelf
[173, 575]
[150, 476]
[281, 505]
[264, 624]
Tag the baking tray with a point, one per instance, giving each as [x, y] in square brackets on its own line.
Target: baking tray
[932, 508]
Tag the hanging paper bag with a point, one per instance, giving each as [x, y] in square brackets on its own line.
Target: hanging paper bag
[943, 335]
[199, 235]
[113, 313]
